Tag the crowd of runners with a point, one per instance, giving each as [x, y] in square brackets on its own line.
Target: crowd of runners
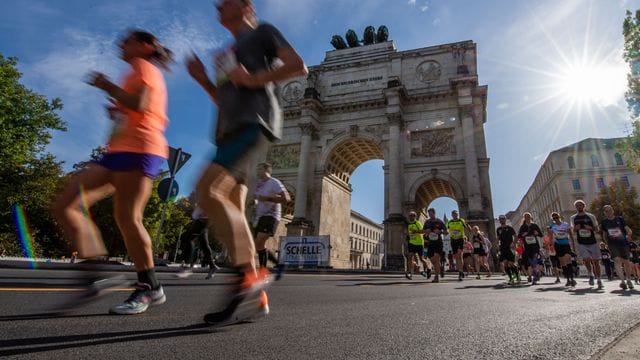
[551, 248]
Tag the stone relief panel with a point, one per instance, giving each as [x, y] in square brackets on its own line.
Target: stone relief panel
[292, 91]
[284, 156]
[428, 71]
[437, 142]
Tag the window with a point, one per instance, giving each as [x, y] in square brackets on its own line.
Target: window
[599, 183]
[618, 159]
[576, 184]
[625, 181]
[571, 162]
[594, 161]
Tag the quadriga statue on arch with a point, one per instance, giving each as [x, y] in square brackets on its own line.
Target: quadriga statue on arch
[338, 42]
[352, 38]
[383, 34]
[369, 36]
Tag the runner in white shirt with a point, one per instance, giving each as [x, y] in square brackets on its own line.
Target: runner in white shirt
[269, 194]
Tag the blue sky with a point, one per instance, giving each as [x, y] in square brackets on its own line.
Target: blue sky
[554, 69]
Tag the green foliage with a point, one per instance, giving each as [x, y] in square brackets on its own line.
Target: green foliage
[28, 175]
[631, 32]
[623, 200]
[26, 118]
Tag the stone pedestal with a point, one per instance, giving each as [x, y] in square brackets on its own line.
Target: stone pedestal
[395, 232]
[300, 227]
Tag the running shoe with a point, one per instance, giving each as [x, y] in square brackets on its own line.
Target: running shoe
[460, 276]
[478, 277]
[529, 279]
[92, 288]
[630, 284]
[436, 279]
[428, 273]
[423, 273]
[557, 281]
[518, 278]
[238, 311]
[184, 272]
[623, 286]
[407, 275]
[600, 286]
[139, 301]
[213, 268]
[249, 300]
[574, 282]
[569, 283]
[591, 280]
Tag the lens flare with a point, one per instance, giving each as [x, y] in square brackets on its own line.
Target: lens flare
[26, 242]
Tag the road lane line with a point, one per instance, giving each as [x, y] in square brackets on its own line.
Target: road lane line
[54, 289]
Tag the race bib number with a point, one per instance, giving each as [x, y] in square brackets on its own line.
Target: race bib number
[433, 236]
[456, 234]
[530, 240]
[605, 256]
[476, 245]
[615, 233]
[560, 235]
[584, 233]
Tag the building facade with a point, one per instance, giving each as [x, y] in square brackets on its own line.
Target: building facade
[366, 239]
[576, 171]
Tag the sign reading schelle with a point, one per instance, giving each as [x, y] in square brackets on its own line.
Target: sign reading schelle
[304, 250]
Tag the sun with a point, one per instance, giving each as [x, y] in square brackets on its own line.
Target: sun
[597, 84]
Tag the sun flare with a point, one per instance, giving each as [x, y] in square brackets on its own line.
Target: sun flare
[592, 84]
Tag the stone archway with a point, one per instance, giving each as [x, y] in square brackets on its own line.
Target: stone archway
[421, 111]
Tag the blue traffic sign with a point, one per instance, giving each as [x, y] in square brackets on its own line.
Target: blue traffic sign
[163, 189]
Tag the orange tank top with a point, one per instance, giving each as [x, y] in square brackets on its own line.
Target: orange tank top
[142, 131]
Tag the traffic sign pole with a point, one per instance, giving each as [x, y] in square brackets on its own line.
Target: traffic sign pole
[179, 158]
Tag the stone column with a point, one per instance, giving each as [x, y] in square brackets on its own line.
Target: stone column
[302, 183]
[471, 162]
[301, 225]
[395, 167]
[394, 225]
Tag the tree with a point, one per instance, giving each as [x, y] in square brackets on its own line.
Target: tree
[624, 202]
[28, 175]
[631, 32]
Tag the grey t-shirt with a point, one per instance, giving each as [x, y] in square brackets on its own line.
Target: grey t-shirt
[238, 107]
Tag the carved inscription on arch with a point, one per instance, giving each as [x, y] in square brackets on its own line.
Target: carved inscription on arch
[427, 143]
[284, 156]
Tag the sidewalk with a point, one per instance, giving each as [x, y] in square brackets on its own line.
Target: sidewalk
[625, 347]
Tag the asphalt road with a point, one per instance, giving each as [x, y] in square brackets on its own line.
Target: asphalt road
[327, 316]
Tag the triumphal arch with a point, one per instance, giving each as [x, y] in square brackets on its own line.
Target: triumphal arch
[421, 111]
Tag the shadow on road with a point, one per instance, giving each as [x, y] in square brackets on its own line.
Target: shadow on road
[51, 343]
[585, 291]
[626, 292]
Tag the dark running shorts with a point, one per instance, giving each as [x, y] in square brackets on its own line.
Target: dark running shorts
[456, 245]
[266, 225]
[434, 247]
[127, 161]
[239, 152]
[555, 261]
[619, 250]
[507, 255]
[415, 249]
[562, 250]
